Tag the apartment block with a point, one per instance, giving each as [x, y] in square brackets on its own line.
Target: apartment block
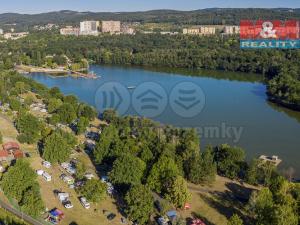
[231, 30]
[1, 32]
[15, 36]
[203, 30]
[110, 26]
[89, 28]
[69, 30]
[207, 30]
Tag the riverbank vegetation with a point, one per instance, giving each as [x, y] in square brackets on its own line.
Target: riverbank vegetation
[279, 68]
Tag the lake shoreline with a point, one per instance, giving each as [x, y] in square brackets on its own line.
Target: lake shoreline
[236, 99]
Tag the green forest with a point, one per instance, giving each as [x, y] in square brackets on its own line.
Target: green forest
[213, 16]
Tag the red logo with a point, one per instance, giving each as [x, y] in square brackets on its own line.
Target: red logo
[275, 30]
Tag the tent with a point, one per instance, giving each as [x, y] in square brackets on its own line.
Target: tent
[172, 215]
[55, 216]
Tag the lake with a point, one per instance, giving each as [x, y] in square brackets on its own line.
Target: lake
[224, 108]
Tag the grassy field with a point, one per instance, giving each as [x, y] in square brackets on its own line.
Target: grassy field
[78, 214]
[215, 203]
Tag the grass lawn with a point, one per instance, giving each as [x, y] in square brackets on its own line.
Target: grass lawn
[215, 203]
[78, 214]
[7, 129]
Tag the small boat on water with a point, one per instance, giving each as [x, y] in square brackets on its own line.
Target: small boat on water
[131, 87]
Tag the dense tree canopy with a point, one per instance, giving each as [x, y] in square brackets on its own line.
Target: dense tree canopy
[58, 146]
[19, 183]
[229, 160]
[94, 190]
[127, 169]
[139, 203]
[29, 128]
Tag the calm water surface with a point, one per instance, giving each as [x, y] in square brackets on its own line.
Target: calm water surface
[235, 112]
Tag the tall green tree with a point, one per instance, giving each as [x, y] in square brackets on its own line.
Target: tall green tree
[103, 148]
[67, 113]
[163, 170]
[229, 160]
[202, 168]
[29, 128]
[127, 169]
[176, 191]
[139, 203]
[57, 147]
[94, 190]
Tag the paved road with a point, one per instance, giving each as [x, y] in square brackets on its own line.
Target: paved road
[19, 214]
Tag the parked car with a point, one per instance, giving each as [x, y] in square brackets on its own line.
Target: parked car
[111, 216]
[89, 176]
[62, 176]
[71, 170]
[62, 196]
[84, 202]
[46, 164]
[163, 221]
[67, 179]
[110, 188]
[123, 220]
[104, 179]
[79, 183]
[40, 172]
[65, 165]
[67, 204]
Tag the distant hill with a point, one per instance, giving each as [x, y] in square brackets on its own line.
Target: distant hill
[203, 16]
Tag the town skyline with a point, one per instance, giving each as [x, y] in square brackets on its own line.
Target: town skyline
[34, 6]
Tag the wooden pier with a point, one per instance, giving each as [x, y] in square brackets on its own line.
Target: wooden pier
[273, 159]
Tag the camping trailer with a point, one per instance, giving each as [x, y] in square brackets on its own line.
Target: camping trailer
[47, 176]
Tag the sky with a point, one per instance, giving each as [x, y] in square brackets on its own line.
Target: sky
[38, 6]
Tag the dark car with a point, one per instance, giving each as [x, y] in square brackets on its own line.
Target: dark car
[111, 216]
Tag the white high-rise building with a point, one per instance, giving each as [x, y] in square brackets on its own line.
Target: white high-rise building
[89, 27]
[1, 32]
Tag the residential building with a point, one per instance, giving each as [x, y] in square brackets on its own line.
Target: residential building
[231, 30]
[10, 151]
[15, 36]
[69, 30]
[207, 30]
[111, 27]
[194, 31]
[89, 28]
[203, 30]
[1, 32]
[48, 26]
[126, 29]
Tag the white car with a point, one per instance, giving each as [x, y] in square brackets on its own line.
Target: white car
[65, 165]
[67, 204]
[84, 203]
[89, 176]
[46, 164]
[40, 172]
